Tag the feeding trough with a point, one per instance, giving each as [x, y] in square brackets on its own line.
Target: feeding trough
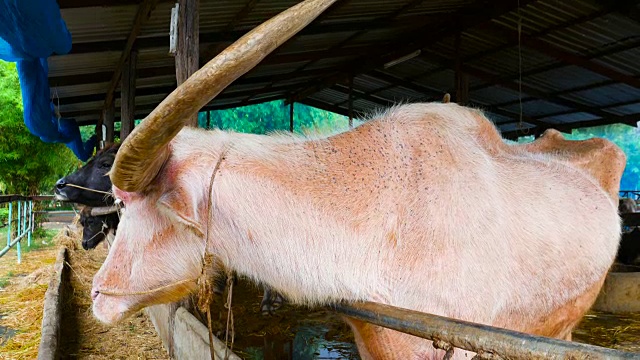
[620, 293]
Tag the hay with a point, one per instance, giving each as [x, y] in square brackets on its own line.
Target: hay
[70, 236]
[22, 301]
[134, 338]
[617, 331]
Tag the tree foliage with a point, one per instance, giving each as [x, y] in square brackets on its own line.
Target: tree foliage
[27, 164]
[274, 116]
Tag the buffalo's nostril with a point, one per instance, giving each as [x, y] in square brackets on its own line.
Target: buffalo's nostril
[61, 183]
[94, 294]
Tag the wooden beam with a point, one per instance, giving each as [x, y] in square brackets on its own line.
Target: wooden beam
[128, 102]
[280, 89]
[226, 38]
[160, 90]
[99, 77]
[105, 76]
[109, 118]
[166, 89]
[560, 54]
[187, 57]
[143, 14]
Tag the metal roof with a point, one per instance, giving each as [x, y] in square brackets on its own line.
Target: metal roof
[578, 59]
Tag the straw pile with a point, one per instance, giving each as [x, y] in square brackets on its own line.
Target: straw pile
[21, 301]
[22, 289]
[134, 338]
[617, 331]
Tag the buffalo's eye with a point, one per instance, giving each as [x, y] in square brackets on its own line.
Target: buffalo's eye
[105, 165]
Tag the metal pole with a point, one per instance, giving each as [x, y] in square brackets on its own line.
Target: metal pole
[19, 218]
[24, 216]
[9, 225]
[489, 341]
[30, 223]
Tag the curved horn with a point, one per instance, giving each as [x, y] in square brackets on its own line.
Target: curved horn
[105, 210]
[145, 150]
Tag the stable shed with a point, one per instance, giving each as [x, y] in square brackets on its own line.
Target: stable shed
[531, 64]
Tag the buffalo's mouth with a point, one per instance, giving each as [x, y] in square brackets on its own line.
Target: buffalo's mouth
[109, 309]
[90, 244]
[60, 196]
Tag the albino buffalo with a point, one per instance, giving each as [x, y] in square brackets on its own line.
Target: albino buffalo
[379, 213]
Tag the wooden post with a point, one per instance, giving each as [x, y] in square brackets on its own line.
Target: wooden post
[208, 120]
[187, 51]
[187, 54]
[291, 116]
[128, 96]
[98, 131]
[461, 79]
[109, 114]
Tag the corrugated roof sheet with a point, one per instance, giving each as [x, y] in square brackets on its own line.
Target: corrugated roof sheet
[575, 27]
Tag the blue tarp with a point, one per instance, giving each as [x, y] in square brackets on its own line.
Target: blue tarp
[31, 31]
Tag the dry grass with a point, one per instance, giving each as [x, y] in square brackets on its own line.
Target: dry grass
[617, 331]
[21, 304]
[21, 301]
[134, 338]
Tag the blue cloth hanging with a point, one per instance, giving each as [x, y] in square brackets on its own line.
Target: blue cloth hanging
[31, 31]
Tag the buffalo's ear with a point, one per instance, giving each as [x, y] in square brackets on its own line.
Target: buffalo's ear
[185, 207]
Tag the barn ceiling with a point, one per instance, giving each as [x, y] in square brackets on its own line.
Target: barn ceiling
[574, 63]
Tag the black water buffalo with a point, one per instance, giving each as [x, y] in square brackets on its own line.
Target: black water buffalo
[92, 176]
[96, 228]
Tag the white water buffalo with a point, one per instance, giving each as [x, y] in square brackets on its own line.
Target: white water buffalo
[378, 213]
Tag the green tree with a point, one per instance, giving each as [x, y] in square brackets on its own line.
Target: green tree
[274, 116]
[27, 164]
